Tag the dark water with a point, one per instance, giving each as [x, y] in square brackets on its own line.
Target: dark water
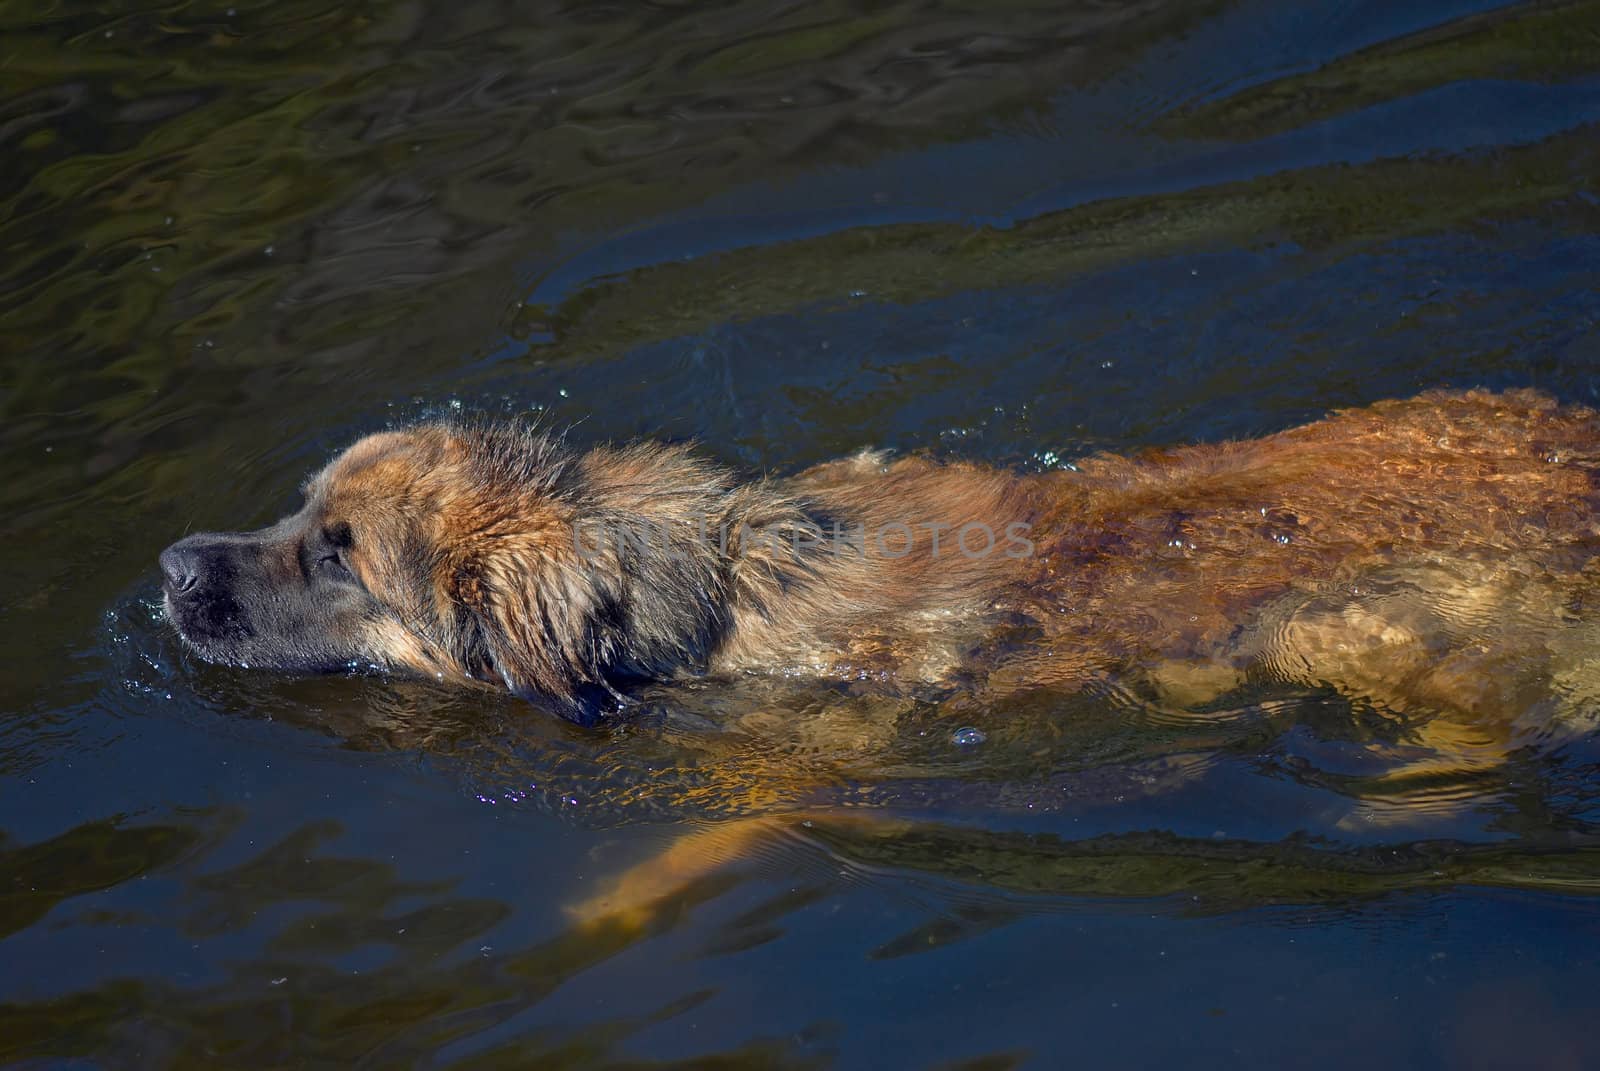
[237, 236]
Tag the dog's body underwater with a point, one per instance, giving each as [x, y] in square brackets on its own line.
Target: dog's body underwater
[1403, 552]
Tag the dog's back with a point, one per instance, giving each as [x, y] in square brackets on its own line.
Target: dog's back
[1300, 554]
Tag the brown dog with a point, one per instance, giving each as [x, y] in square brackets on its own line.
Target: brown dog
[1433, 555]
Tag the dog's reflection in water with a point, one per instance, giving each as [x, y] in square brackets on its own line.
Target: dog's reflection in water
[740, 767]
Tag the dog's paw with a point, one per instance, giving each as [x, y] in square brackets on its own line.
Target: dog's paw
[695, 867]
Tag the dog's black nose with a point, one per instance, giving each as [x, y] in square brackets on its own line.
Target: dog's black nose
[181, 564]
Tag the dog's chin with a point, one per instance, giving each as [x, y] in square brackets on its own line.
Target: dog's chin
[206, 648]
[199, 648]
[226, 650]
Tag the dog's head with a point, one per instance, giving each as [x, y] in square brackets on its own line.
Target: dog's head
[457, 552]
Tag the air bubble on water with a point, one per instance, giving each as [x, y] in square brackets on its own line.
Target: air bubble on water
[968, 736]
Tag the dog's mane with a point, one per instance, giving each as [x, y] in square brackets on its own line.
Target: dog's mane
[674, 547]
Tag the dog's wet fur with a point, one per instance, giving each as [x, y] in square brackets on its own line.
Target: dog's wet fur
[1357, 551]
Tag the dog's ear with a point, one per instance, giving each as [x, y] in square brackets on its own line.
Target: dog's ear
[549, 630]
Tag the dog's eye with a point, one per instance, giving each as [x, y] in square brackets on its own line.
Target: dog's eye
[336, 540]
[332, 561]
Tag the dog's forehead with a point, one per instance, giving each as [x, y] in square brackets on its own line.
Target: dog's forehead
[388, 467]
